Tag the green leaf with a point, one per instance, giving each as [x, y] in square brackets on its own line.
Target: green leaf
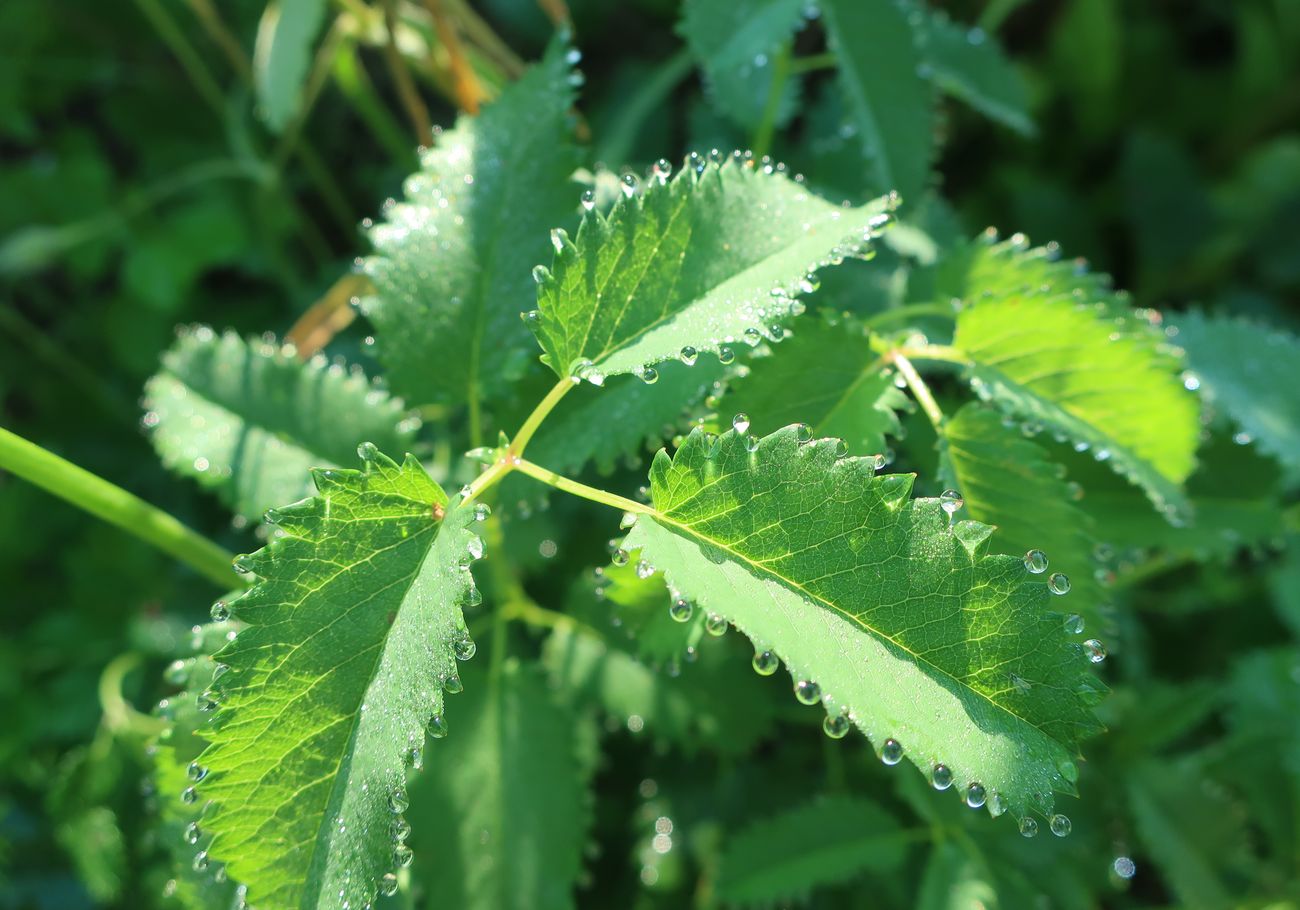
[248, 420]
[712, 257]
[736, 44]
[1054, 347]
[891, 104]
[1008, 481]
[608, 424]
[825, 842]
[350, 636]
[903, 622]
[828, 377]
[282, 56]
[968, 64]
[956, 878]
[453, 261]
[501, 812]
[1253, 373]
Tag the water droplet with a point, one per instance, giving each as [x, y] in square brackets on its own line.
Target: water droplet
[206, 702]
[681, 609]
[1028, 827]
[715, 625]
[189, 796]
[1124, 867]
[649, 375]
[220, 611]
[688, 355]
[588, 199]
[803, 433]
[836, 726]
[1073, 624]
[950, 501]
[1095, 650]
[475, 547]
[388, 884]
[751, 444]
[765, 663]
[661, 170]
[200, 861]
[397, 802]
[196, 772]
[192, 833]
[941, 777]
[807, 692]
[891, 753]
[481, 511]
[453, 685]
[240, 564]
[628, 185]
[777, 332]
[401, 828]
[464, 647]
[177, 673]
[726, 355]
[740, 423]
[1060, 825]
[752, 336]
[1036, 562]
[437, 726]
[402, 856]
[997, 805]
[1058, 583]
[644, 570]
[975, 795]
[620, 557]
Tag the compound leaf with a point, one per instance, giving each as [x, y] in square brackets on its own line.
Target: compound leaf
[500, 813]
[248, 420]
[825, 842]
[737, 44]
[891, 104]
[968, 64]
[1008, 481]
[1054, 347]
[871, 598]
[350, 634]
[453, 261]
[706, 259]
[1253, 373]
[828, 377]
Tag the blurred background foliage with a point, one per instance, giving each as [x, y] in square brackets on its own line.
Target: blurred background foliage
[156, 169]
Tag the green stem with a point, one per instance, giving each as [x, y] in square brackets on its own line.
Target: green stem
[190, 61]
[812, 63]
[119, 714]
[620, 138]
[534, 420]
[940, 352]
[551, 479]
[920, 390]
[904, 313]
[116, 506]
[762, 141]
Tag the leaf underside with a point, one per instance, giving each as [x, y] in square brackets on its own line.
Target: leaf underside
[349, 637]
[904, 622]
[453, 260]
[828, 377]
[248, 420]
[500, 813]
[707, 259]
[890, 103]
[1009, 482]
[1052, 346]
[825, 842]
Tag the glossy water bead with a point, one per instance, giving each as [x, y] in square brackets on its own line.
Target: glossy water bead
[891, 753]
[1058, 583]
[1036, 562]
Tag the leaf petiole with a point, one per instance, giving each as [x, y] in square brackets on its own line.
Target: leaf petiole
[920, 391]
[613, 500]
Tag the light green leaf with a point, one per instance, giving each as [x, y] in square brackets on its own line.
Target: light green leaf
[736, 44]
[968, 64]
[825, 842]
[828, 377]
[349, 638]
[956, 879]
[1253, 373]
[248, 420]
[891, 104]
[705, 260]
[453, 261]
[1054, 347]
[500, 814]
[903, 622]
[1008, 481]
[604, 425]
[282, 56]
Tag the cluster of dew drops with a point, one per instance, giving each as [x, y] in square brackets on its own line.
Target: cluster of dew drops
[208, 701]
[837, 724]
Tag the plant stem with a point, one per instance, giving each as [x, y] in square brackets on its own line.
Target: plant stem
[406, 90]
[464, 83]
[903, 313]
[762, 141]
[920, 390]
[941, 352]
[534, 420]
[812, 63]
[116, 506]
[613, 500]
